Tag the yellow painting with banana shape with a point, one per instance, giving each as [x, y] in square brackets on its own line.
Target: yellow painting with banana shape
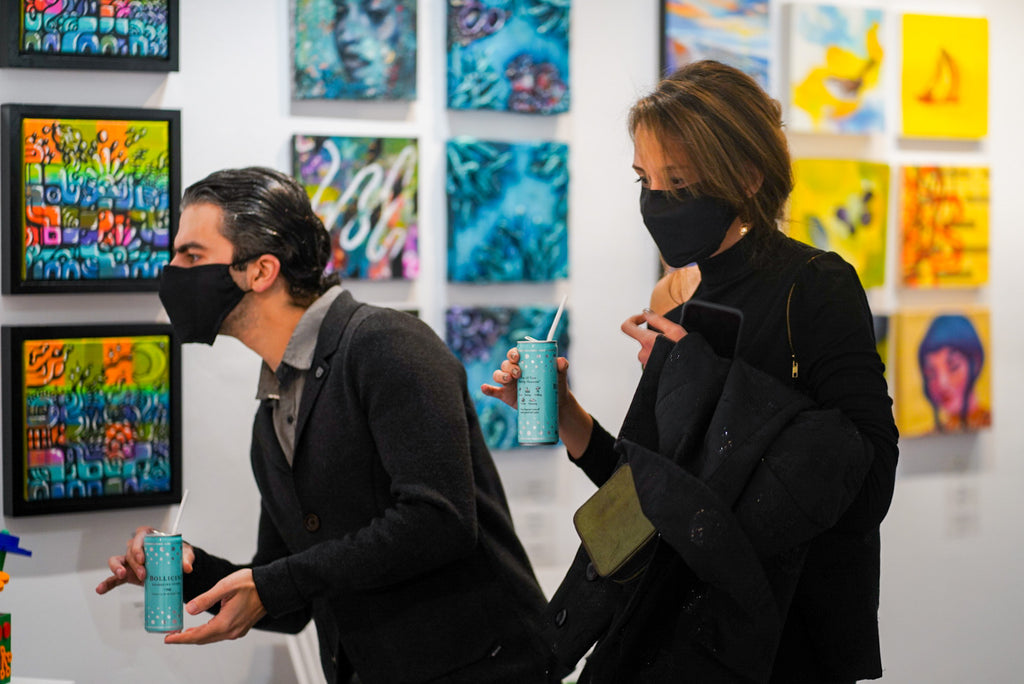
[840, 205]
[945, 77]
[835, 69]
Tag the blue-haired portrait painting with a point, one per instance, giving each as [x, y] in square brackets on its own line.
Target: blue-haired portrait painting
[509, 55]
[480, 337]
[735, 32]
[364, 191]
[507, 211]
[355, 49]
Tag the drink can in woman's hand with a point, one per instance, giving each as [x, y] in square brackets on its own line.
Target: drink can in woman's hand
[537, 393]
[163, 582]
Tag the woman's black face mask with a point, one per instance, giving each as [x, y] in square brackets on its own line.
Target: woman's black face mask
[198, 299]
[685, 228]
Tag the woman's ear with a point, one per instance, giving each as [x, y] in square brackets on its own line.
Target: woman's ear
[754, 180]
[263, 272]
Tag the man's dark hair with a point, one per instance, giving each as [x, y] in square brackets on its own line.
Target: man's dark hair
[267, 212]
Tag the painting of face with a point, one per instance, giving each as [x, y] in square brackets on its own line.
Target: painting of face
[943, 372]
[947, 378]
[355, 49]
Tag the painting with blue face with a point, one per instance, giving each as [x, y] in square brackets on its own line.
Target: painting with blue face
[355, 49]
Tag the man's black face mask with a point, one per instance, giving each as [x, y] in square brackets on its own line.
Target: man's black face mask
[198, 299]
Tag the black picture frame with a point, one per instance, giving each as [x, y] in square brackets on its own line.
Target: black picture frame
[58, 49]
[75, 439]
[103, 215]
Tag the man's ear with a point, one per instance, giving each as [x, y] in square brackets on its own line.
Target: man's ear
[263, 272]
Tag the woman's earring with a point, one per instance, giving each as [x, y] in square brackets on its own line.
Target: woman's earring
[744, 230]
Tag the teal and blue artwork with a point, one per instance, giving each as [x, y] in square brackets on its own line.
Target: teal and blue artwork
[507, 211]
[509, 55]
[480, 337]
[354, 50]
[734, 33]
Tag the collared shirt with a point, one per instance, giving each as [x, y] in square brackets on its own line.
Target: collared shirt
[284, 387]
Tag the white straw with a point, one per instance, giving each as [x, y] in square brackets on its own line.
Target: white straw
[181, 507]
[558, 315]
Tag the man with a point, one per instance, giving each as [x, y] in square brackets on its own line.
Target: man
[382, 517]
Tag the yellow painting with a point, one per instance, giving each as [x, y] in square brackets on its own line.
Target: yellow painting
[835, 68]
[945, 77]
[841, 206]
[944, 373]
[944, 216]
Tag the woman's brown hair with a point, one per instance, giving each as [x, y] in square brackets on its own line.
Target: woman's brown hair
[731, 133]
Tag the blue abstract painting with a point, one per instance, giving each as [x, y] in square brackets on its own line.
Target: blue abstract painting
[355, 49]
[509, 55]
[481, 337]
[507, 211]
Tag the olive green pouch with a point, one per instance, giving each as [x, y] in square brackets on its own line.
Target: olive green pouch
[612, 526]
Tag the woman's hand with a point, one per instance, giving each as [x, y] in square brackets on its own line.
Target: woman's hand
[507, 379]
[646, 336]
[574, 423]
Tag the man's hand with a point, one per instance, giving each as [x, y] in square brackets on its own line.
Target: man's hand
[240, 609]
[131, 567]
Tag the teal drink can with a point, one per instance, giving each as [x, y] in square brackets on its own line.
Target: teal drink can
[163, 582]
[537, 392]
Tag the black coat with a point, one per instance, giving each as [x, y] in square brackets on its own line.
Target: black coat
[391, 529]
[738, 473]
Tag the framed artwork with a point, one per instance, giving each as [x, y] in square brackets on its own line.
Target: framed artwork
[507, 211]
[836, 63]
[944, 91]
[90, 197]
[944, 217]
[91, 417]
[943, 371]
[509, 55]
[480, 337]
[734, 33]
[354, 50]
[841, 205]
[132, 35]
[365, 192]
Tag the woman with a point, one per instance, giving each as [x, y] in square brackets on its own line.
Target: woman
[766, 477]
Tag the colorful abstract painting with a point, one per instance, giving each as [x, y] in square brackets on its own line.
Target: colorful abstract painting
[944, 371]
[354, 50]
[93, 198]
[944, 216]
[481, 337]
[114, 34]
[841, 205]
[836, 62]
[735, 32]
[509, 55]
[364, 191]
[93, 417]
[945, 77]
[507, 211]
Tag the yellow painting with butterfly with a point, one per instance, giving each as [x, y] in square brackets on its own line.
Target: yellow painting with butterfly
[841, 205]
[945, 77]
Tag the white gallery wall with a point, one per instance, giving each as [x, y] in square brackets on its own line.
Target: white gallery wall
[953, 547]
